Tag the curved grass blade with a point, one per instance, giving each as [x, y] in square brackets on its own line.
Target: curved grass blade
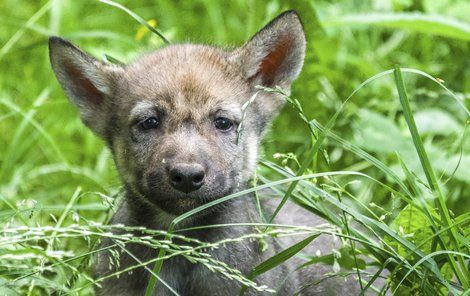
[422, 73]
[321, 137]
[449, 253]
[137, 18]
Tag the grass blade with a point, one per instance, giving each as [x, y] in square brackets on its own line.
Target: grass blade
[137, 18]
[278, 259]
[321, 137]
[431, 178]
[9, 44]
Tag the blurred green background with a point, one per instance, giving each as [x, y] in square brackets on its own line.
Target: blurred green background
[46, 152]
[51, 165]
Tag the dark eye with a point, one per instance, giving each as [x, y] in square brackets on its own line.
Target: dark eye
[149, 123]
[223, 123]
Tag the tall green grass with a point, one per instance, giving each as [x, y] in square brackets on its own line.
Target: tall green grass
[388, 168]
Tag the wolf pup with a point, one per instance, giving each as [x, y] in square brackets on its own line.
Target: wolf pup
[171, 120]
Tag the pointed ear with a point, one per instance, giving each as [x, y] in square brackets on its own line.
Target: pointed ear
[275, 55]
[86, 81]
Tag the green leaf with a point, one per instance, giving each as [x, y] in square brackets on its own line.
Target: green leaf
[279, 259]
[436, 121]
[416, 22]
[414, 225]
[110, 59]
[349, 261]
[370, 134]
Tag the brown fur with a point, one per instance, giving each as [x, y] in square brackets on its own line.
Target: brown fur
[186, 88]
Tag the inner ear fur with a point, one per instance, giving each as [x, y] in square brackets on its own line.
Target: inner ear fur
[81, 84]
[87, 82]
[274, 55]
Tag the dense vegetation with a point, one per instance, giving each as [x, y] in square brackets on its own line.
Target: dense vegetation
[395, 161]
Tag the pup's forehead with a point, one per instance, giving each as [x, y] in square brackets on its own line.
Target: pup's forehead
[186, 82]
[185, 74]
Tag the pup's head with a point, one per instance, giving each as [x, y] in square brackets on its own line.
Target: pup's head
[172, 117]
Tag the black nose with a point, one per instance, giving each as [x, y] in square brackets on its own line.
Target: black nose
[186, 177]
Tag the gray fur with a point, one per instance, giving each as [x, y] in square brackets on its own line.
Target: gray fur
[186, 87]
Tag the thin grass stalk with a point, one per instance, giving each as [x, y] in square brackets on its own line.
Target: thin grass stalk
[432, 180]
[306, 163]
[162, 252]
[383, 231]
[32, 20]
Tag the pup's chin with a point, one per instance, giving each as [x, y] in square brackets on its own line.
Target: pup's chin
[179, 204]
